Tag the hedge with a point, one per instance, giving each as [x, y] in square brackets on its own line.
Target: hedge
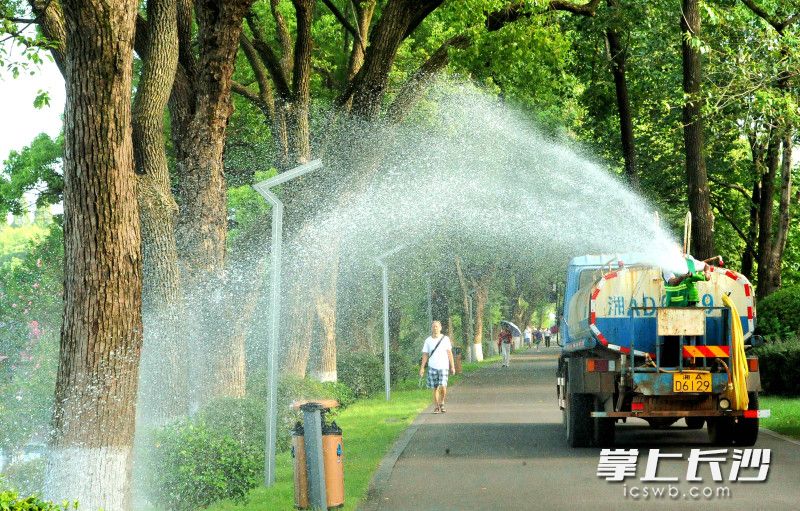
[779, 363]
[779, 314]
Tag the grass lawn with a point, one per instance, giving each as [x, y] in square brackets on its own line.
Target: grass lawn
[370, 427]
[785, 414]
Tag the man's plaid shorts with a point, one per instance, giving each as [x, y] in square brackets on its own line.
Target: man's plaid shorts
[437, 378]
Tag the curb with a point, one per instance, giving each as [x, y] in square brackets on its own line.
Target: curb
[779, 436]
[386, 466]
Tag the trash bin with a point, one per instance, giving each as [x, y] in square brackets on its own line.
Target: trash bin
[332, 460]
[300, 475]
[457, 359]
[334, 466]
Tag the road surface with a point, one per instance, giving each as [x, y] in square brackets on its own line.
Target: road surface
[501, 446]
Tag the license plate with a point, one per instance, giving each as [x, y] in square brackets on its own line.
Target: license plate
[691, 382]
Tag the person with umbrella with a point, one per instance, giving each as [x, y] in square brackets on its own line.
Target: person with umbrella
[504, 344]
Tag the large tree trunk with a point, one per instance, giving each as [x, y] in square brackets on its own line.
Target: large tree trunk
[765, 215]
[163, 358]
[618, 61]
[772, 281]
[398, 19]
[752, 233]
[101, 335]
[202, 223]
[696, 175]
[301, 82]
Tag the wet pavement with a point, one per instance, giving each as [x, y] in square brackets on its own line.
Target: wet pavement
[501, 446]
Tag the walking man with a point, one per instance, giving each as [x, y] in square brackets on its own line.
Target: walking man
[437, 353]
[504, 344]
[528, 336]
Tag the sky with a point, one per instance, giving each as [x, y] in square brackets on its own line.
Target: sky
[20, 121]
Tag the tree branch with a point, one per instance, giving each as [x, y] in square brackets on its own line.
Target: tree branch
[733, 186]
[51, 20]
[270, 60]
[587, 9]
[736, 228]
[260, 72]
[345, 23]
[251, 96]
[411, 91]
[778, 24]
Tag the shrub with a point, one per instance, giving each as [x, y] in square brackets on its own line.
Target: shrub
[779, 363]
[362, 372]
[219, 453]
[26, 477]
[779, 313]
[11, 501]
[193, 464]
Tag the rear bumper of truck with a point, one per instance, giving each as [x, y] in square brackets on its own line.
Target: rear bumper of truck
[747, 414]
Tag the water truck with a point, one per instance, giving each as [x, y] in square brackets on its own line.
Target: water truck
[625, 354]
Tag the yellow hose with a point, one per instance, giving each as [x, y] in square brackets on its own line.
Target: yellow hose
[737, 391]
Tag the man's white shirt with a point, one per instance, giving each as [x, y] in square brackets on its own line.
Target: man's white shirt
[439, 360]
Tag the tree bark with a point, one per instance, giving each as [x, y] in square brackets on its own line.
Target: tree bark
[752, 233]
[765, 215]
[618, 61]
[696, 175]
[163, 358]
[200, 120]
[101, 335]
[301, 82]
[364, 11]
[398, 19]
[773, 282]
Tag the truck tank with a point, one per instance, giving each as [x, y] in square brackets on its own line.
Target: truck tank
[609, 300]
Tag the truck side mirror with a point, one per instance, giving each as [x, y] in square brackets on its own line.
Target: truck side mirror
[756, 340]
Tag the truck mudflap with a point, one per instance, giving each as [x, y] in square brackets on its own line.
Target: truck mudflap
[747, 414]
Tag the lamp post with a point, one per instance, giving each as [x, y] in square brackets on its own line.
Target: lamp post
[430, 299]
[275, 307]
[380, 260]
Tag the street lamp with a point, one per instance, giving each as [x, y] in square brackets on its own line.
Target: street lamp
[275, 306]
[380, 260]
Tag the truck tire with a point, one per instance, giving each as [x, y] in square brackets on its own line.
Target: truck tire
[661, 422]
[694, 422]
[578, 422]
[721, 430]
[604, 428]
[745, 432]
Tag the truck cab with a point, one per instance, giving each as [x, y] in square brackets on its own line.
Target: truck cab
[627, 355]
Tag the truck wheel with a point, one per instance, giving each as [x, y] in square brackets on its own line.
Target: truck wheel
[745, 431]
[661, 422]
[604, 428]
[694, 422]
[577, 419]
[720, 430]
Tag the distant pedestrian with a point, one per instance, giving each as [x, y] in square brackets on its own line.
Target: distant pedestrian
[504, 345]
[547, 337]
[539, 336]
[528, 336]
[437, 354]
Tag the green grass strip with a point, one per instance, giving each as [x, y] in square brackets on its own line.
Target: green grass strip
[369, 429]
[784, 414]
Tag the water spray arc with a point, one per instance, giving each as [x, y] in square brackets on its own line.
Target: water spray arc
[381, 261]
[275, 307]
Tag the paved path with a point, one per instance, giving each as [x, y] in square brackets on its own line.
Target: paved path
[501, 446]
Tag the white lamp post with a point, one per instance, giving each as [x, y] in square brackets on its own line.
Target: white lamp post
[275, 307]
[380, 260]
